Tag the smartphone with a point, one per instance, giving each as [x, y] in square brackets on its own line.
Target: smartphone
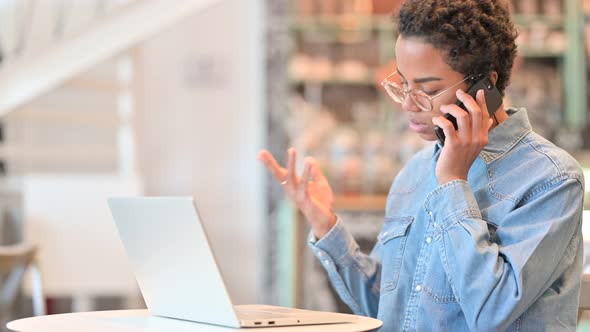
[493, 102]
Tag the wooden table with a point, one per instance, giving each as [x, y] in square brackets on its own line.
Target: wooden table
[141, 320]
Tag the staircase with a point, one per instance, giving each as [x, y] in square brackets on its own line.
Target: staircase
[67, 71]
[67, 112]
[30, 69]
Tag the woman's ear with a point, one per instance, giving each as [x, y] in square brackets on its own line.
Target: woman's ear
[494, 77]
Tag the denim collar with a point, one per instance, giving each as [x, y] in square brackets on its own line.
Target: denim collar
[503, 137]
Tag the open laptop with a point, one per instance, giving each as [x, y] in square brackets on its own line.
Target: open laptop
[176, 271]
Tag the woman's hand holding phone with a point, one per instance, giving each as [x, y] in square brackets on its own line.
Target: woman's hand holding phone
[311, 192]
[462, 146]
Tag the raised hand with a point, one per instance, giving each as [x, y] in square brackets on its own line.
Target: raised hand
[311, 192]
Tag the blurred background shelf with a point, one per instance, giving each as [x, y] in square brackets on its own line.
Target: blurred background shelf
[551, 21]
[340, 23]
[360, 203]
[367, 81]
[532, 53]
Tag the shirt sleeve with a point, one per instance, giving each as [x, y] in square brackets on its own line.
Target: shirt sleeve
[497, 281]
[354, 275]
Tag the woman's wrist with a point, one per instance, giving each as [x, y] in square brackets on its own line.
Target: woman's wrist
[322, 228]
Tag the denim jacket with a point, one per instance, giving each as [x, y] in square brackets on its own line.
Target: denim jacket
[500, 251]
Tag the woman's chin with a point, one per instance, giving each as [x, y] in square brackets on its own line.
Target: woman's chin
[428, 136]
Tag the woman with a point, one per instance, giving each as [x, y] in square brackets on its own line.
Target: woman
[482, 233]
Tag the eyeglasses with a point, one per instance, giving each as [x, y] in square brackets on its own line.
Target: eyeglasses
[420, 98]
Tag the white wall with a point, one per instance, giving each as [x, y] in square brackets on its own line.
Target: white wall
[200, 124]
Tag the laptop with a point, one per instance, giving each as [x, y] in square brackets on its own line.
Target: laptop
[177, 273]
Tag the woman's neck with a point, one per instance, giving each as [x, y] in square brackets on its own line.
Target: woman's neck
[499, 117]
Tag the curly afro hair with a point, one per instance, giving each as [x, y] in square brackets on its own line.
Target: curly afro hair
[477, 36]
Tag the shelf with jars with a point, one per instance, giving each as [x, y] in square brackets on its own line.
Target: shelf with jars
[548, 74]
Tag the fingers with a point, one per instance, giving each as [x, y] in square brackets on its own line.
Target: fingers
[311, 172]
[447, 127]
[486, 119]
[463, 120]
[282, 175]
[483, 106]
[472, 106]
[475, 122]
[278, 172]
[305, 178]
[486, 122]
[485, 114]
[316, 170]
[291, 173]
[479, 111]
[476, 114]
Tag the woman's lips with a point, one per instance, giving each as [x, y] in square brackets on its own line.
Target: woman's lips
[418, 127]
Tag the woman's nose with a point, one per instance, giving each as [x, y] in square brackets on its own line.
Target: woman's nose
[409, 104]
